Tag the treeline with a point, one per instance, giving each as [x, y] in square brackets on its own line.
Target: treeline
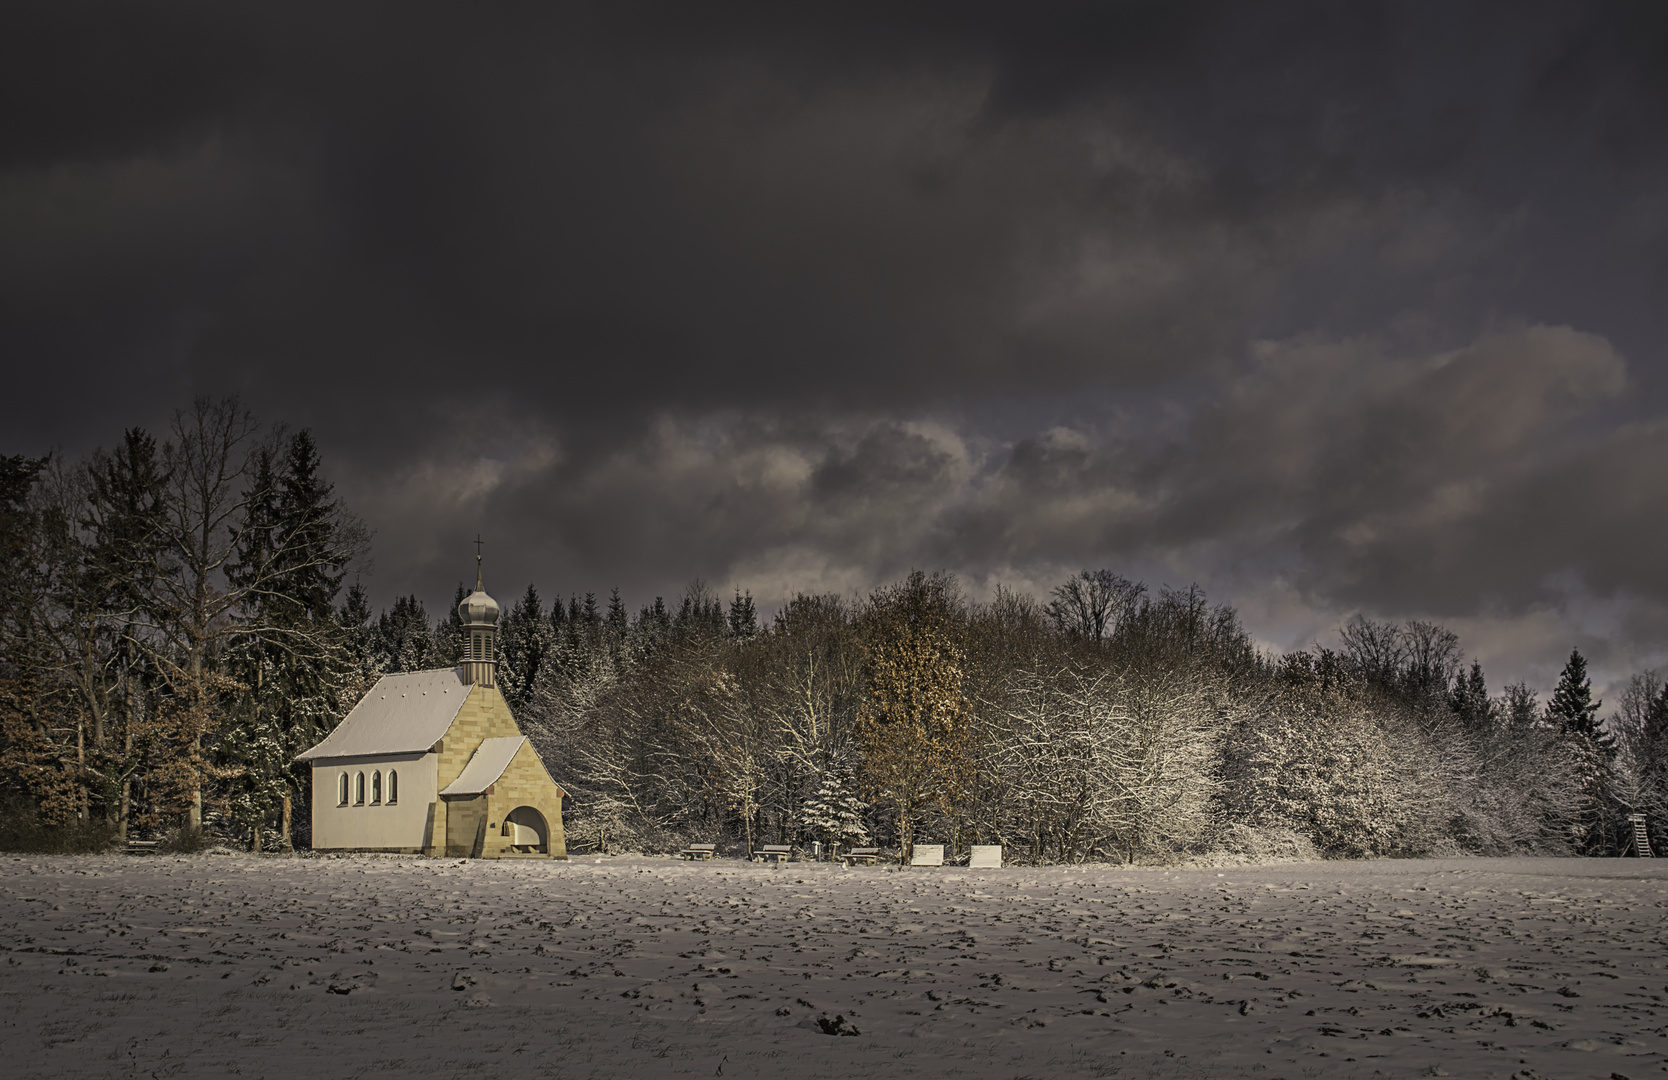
[169, 630]
[179, 621]
[1109, 723]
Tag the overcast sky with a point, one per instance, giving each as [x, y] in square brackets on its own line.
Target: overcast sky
[1325, 307]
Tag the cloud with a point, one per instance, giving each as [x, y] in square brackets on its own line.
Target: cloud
[1329, 475]
[1324, 306]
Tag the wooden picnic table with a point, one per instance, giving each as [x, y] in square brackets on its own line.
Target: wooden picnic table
[864, 856]
[773, 852]
[699, 851]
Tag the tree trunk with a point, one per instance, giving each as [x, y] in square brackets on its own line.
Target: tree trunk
[81, 767]
[194, 818]
[125, 813]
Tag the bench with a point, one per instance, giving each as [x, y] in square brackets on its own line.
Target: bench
[699, 851]
[861, 856]
[141, 846]
[772, 853]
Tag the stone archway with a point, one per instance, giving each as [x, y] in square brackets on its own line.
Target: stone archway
[527, 831]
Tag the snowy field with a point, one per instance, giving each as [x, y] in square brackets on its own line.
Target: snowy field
[396, 967]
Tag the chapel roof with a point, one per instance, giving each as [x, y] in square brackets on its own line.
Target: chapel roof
[491, 758]
[404, 713]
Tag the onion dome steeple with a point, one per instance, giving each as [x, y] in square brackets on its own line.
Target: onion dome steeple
[479, 613]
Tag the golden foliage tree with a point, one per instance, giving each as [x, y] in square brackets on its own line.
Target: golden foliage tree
[913, 723]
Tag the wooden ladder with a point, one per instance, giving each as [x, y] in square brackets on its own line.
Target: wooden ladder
[1641, 839]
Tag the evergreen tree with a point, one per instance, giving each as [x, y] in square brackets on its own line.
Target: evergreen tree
[1469, 699]
[125, 505]
[403, 640]
[523, 646]
[449, 636]
[591, 619]
[1519, 707]
[1593, 750]
[249, 754]
[354, 616]
[615, 623]
[700, 613]
[1654, 769]
[653, 628]
[293, 659]
[1656, 727]
[835, 814]
[1573, 709]
[744, 620]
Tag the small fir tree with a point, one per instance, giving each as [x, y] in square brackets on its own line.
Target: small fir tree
[835, 813]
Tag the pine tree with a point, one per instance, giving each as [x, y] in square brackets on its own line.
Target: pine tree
[744, 620]
[523, 647]
[1656, 728]
[591, 618]
[615, 623]
[402, 639]
[1574, 712]
[125, 505]
[1654, 769]
[835, 813]
[700, 613]
[354, 616]
[1469, 699]
[1519, 707]
[292, 657]
[653, 628]
[1573, 709]
[449, 635]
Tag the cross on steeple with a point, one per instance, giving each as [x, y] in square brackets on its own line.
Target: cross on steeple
[477, 562]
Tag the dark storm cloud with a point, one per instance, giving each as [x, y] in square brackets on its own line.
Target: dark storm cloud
[1327, 306]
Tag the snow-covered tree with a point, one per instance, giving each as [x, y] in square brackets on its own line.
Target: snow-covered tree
[834, 814]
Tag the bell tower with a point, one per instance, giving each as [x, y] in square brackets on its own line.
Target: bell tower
[479, 613]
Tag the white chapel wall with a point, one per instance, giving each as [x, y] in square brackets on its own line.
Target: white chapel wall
[373, 825]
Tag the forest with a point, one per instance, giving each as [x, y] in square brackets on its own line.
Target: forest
[184, 613]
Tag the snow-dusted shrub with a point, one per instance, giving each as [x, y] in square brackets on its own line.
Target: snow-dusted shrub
[1110, 764]
[1268, 843]
[1324, 761]
[1515, 790]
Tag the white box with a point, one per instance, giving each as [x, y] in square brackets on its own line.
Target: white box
[985, 856]
[927, 855]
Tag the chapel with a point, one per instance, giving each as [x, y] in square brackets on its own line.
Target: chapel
[432, 763]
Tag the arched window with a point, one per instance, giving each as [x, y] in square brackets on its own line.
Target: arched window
[393, 787]
[359, 790]
[376, 788]
[342, 790]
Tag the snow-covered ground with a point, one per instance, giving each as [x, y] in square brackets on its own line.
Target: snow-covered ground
[634, 966]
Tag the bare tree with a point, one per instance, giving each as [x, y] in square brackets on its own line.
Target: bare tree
[1091, 605]
[1376, 650]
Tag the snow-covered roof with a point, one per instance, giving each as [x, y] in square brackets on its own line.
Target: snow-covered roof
[491, 758]
[406, 713]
